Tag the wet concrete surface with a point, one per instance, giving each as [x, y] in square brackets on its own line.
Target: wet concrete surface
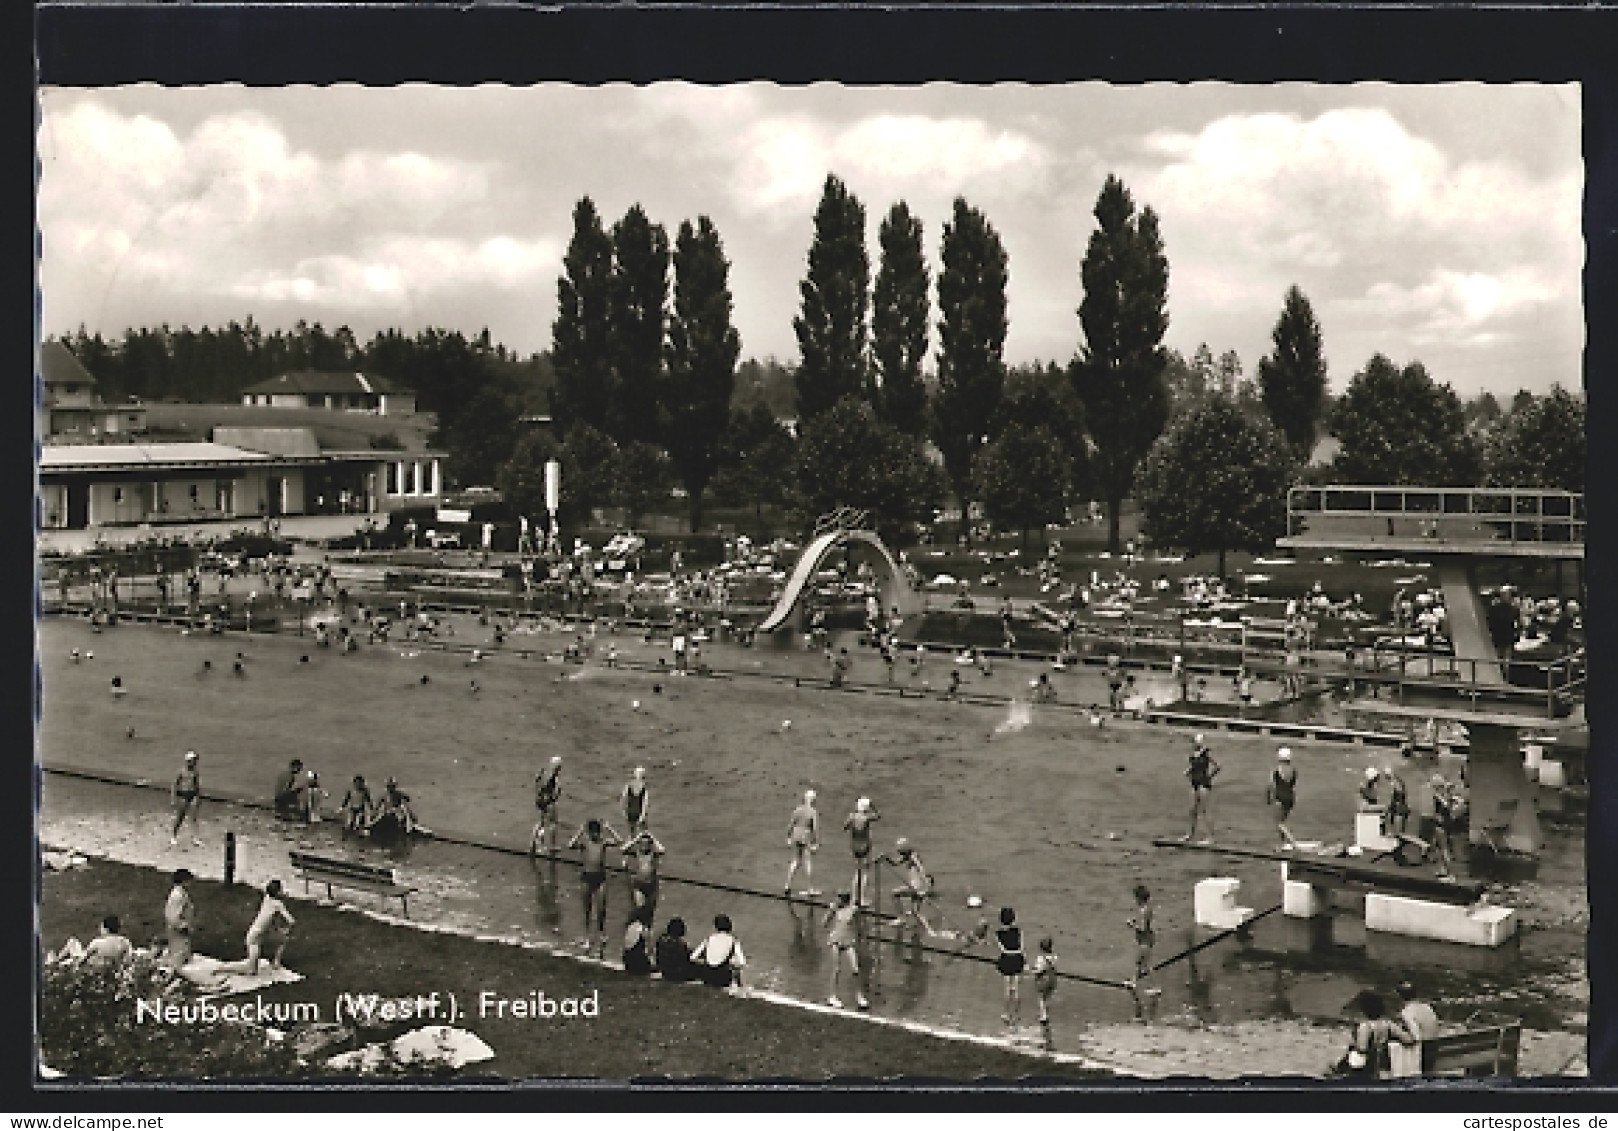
[1269, 1001]
[1043, 797]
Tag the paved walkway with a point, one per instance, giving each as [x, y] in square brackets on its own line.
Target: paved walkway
[1233, 1009]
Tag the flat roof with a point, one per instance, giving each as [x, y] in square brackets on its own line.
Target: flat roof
[93, 457]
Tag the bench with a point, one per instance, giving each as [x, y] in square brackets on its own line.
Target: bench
[1485, 1051]
[349, 874]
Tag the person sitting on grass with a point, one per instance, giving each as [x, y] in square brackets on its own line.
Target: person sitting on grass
[109, 950]
[289, 796]
[719, 960]
[674, 953]
[637, 942]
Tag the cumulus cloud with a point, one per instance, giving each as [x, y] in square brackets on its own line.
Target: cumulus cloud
[1468, 308]
[402, 269]
[781, 162]
[235, 208]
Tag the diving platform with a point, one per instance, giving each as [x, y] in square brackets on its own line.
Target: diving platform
[1457, 528]
[1493, 522]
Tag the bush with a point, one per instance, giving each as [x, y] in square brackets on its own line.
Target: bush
[89, 1026]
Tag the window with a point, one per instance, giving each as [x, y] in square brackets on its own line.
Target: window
[117, 494]
[393, 479]
[410, 479]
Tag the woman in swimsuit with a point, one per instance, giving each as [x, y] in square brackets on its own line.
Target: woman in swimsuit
[1283, 791]
[1201, 772]
[547, 792]
[187, 799]
[1010, 963]
[636, 801]
[858, 827]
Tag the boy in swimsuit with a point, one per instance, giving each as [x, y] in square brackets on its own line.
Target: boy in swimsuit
[187, 800]
[1045, 979]
[1282, 792]
[841, 918]
[1201, 772]
[1145, 936]
[636, 801]
[645, 848]
[594, 839]
[357, 806]
[547, 792]
[858, 827]
[803, 837]
[913, 894]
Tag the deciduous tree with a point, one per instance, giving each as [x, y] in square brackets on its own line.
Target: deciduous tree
[1118, 372]
[582, 343]
[1540, 443]
[1292, 379]
[638, 312]
[1216, 481]
[971, 339]
[899, 312]
[702, 352]
[1021, 478]
[848, 458]
[831, 328]
[1397, 425]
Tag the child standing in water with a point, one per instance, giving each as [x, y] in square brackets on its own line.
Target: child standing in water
[1045, 978]
[1145, 936]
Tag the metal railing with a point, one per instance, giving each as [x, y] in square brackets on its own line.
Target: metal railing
[1491, 514]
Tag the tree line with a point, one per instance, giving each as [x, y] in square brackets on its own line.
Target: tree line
[648, 393]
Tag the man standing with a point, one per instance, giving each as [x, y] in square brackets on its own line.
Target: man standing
[803, 837]
[179, 916]
[594, 839]
[187, 799]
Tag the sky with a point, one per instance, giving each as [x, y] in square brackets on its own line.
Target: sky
[1433, 223]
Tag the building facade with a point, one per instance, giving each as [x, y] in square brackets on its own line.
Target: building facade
[87, 486]
[71, 412]
[339, 392]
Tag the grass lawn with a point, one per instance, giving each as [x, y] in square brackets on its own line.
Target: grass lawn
[645, 1028]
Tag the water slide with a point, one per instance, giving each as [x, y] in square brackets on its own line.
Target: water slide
[814, 556]
[1468, 620]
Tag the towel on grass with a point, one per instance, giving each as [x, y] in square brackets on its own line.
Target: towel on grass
[436, 1044]
[231, 983]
